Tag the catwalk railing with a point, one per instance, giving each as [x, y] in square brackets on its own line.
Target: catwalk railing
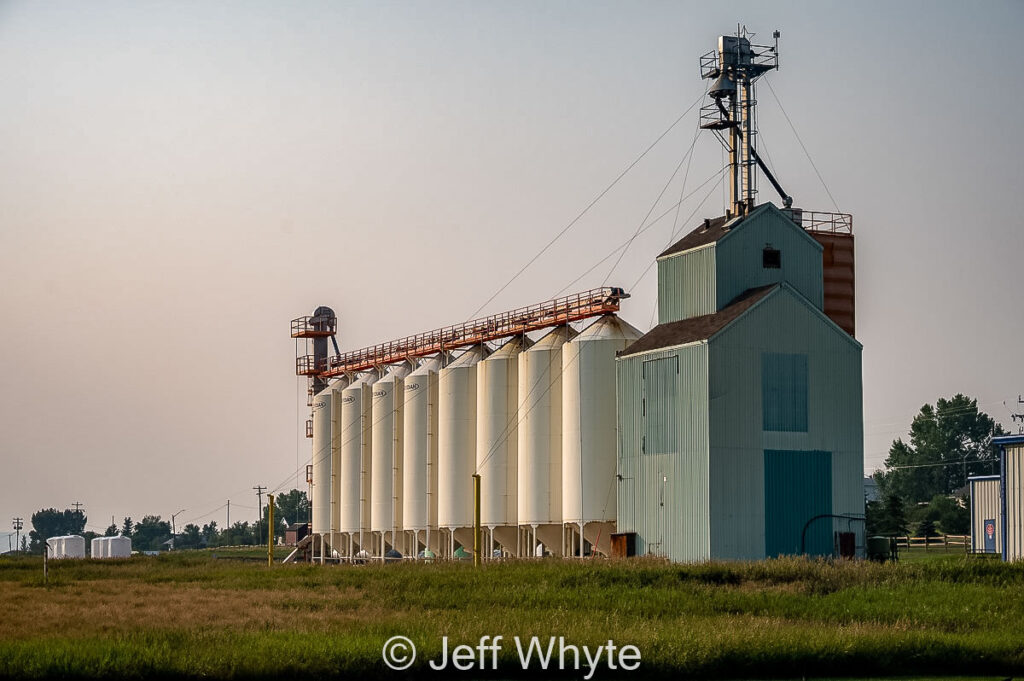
[557, 312]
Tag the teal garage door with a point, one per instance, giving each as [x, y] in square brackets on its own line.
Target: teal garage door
[797, 488]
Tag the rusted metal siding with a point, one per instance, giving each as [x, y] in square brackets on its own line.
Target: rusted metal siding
[837, 258]
[686, 285]
[985, 506]
[663, 496]
[782, 323]
[739, 257]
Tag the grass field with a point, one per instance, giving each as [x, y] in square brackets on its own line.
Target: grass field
[191, 615]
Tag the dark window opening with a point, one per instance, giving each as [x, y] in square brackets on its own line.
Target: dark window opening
[771, 258]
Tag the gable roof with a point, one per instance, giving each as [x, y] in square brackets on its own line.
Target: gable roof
[709, 232]
[715, 229]
[699, 328]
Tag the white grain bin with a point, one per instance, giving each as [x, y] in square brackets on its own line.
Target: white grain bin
[456, 446]
[321, 486]
[589, 430]
[419, 467]
[540, 441]
[67, 546]
[337, 389]
[386, 452]
[354, 499]
[497, 435]
[119, 547]
[98, 547]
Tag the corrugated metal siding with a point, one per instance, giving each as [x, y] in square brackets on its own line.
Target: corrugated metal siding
[663, 497]
[1014, 491]
[797, 489]
[660, 406]
[985, 506]
[784, 392]
[782, 323]
[686, 285]
[739, 256]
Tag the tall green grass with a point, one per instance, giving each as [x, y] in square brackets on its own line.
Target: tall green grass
[781, 618]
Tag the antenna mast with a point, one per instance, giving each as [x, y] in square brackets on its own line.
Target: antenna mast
[734, 68]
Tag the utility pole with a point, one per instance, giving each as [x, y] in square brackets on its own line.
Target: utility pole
[18, 524]
[259, 493]
[229, 515]
[78, 506]
[270, 534]
[1019, 417]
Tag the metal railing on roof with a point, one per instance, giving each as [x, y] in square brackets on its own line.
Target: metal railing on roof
[821, 221]
[592, 303]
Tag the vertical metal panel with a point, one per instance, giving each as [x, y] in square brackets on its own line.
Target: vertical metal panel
[985, 506]
[797, 489]
[740, 253]
[386, 447]
[1013, 490]
[663, 497]
[784, 323]
[837, 261]
[686, 285]
[784, 392]
[660, 406]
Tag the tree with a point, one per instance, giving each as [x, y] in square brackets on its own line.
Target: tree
[127, 527]
[190, 538]
[292, 507]
[948, 443]
[210, 533]
[111, 531]
[49, 522]
[151, 533]
[927, 528]
[892, 519]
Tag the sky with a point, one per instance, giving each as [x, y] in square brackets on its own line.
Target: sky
[178, 180]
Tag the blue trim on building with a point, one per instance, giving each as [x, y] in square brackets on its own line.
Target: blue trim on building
[1008, 440]
[1002, 489]
[970, 486]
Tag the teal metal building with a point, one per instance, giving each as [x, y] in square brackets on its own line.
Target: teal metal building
[740, 414]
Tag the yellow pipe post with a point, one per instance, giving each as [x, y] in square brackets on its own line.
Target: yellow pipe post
[476, 519]
[270, 530]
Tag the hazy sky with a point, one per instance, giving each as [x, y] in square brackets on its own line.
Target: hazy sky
[179, 180]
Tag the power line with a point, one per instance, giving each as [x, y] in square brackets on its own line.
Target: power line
[806, 153]
[588, 207]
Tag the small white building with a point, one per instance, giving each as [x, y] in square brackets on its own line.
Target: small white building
[986, 515]
[68, 546]
[112, 547]
[1011, 496]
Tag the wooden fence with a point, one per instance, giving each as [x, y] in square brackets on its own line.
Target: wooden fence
[957, 542]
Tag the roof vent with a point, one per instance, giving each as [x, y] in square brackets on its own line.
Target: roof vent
[707, 224]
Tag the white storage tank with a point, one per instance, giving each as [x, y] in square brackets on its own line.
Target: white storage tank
[419, 467]
[386, 452]
[497, 435]
[354, 484]
[539, 469]
[456, 446]
[119, 547]
[589, 430]
[67, 546]
[321, 486]
[337, 388]
[98, 547]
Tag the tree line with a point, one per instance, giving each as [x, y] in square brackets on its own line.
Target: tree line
[924, 485]
[152, 533]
